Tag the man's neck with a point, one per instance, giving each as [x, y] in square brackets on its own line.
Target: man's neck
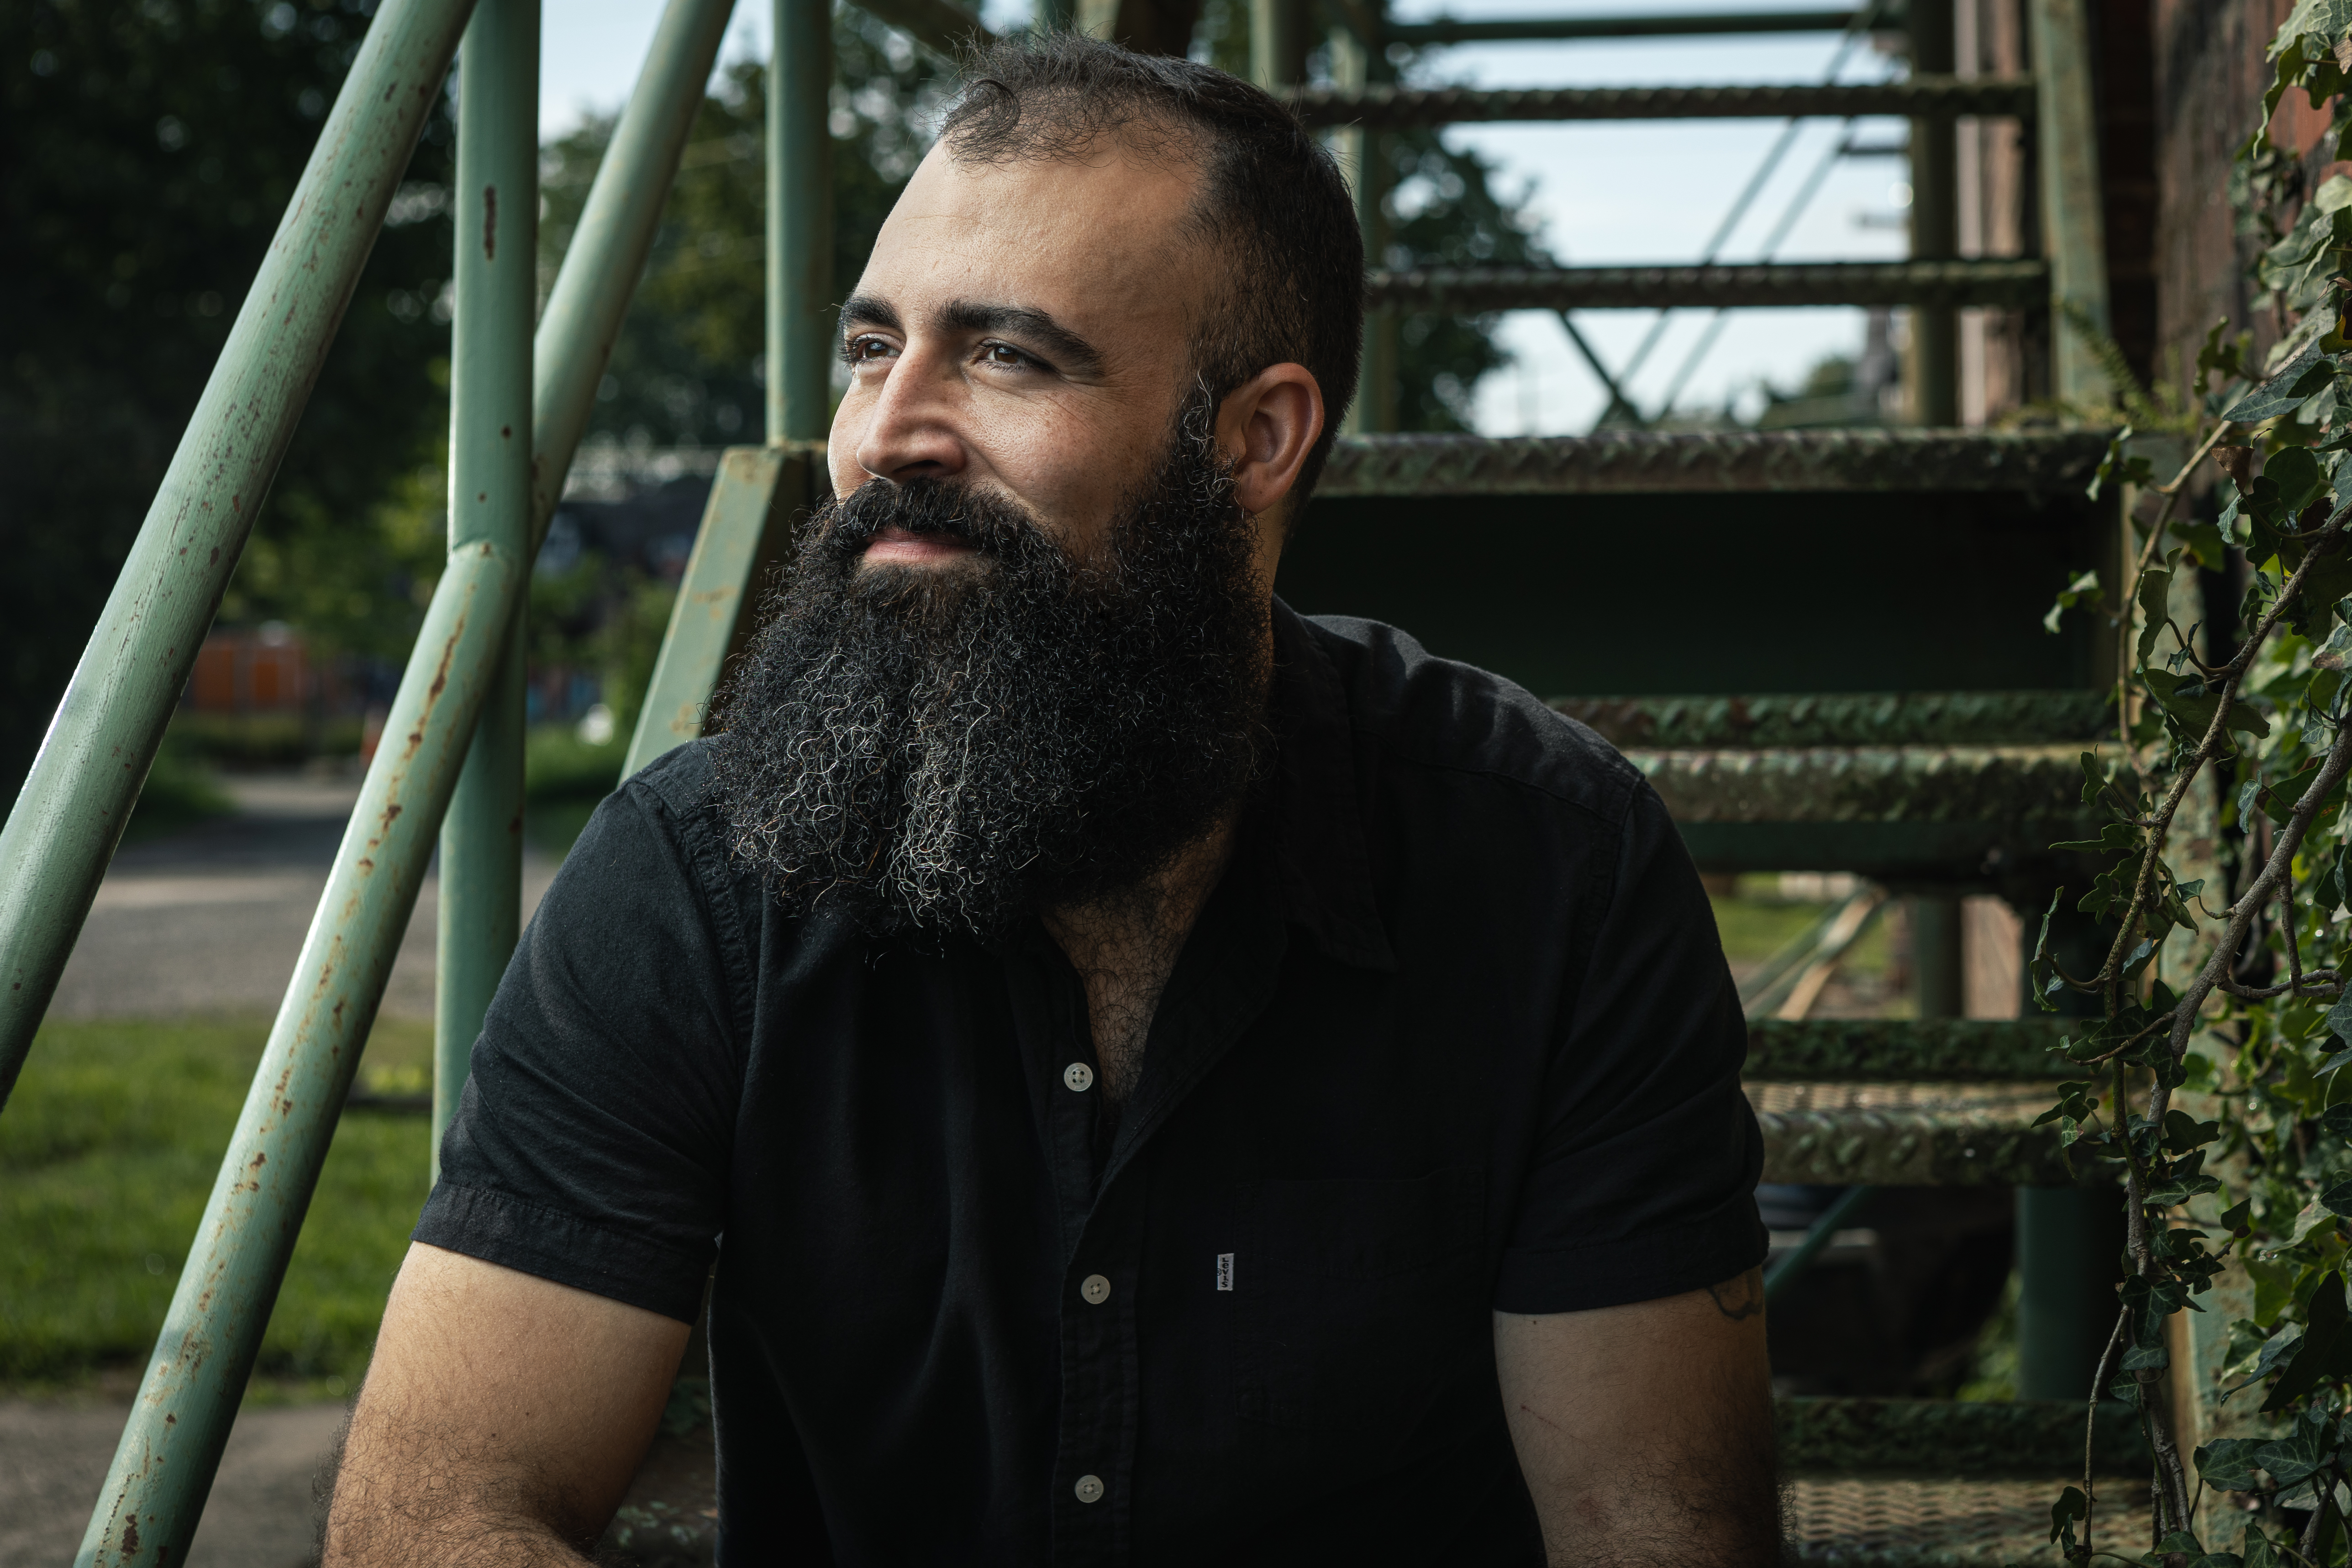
[1123, 948]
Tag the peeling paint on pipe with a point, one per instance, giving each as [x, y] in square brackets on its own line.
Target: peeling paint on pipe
[163, 1467]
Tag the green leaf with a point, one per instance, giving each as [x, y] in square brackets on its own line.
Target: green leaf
[2155, 589]
[2339, 1024]
[2322, 1353]
[2283, 392]
[2043, 987]
[2195, 714]
[2229, 1465]
[2337, 1199]
[2071, 1508]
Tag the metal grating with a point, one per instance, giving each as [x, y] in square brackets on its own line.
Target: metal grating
[1901, 1523]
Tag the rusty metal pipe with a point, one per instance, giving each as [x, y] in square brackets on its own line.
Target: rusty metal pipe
[154, 1493]
[66, 823]
[164, 1466]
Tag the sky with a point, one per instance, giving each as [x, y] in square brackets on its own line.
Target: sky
[1635, 192]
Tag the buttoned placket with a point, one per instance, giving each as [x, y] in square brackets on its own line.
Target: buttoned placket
[1101, 1242]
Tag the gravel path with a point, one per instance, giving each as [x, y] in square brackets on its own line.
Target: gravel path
[212, 920]
[53, 1459]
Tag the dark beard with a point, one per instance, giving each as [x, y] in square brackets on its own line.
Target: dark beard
[945, 749]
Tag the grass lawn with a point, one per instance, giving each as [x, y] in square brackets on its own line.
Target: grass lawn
[106, 1154]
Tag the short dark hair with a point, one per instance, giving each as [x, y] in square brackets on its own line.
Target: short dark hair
[1271, 197]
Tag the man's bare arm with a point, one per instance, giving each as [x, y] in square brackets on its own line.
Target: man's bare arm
[1645, 1431]
[502, 1421]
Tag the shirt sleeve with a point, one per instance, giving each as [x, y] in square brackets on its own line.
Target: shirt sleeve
[1643, 1177]
[592, 1143]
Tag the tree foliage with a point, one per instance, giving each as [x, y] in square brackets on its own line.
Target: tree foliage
[150, 147]
[2214, 1067]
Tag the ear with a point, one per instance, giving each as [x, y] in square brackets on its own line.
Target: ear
[1265, 429]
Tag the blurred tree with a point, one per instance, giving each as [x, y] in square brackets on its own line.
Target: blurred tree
[152, 146]
[686, 367]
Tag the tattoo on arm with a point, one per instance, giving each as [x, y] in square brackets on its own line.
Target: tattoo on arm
[1740, 1299]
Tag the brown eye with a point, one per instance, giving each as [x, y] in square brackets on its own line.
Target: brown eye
[1007, 358]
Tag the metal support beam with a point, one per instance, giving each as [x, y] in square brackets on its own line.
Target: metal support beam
[938, 26]
[1937, 972]
[71, 811]
[800, 223]
[1934, 223]
[2074, 230]
[1400, 108]
[1531, 29]
[746, 522]
[164, 1465]
[497, 295]
[1355, 64]
[1278, 40]
[1770, 284]
[2069, 1251]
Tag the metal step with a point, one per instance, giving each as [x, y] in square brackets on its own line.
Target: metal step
[1992, 785]
[1906, 1050]
[1913, 1135]
[1846, 719]
[1911, 1522]
[2052, 464]
[1897, 813]
[2010, 282]
[1386, 108]
[2028, 1439]
[1450, 30]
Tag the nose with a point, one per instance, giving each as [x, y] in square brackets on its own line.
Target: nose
[910, 426]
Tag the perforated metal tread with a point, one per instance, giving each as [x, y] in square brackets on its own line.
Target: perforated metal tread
[1897, 1522]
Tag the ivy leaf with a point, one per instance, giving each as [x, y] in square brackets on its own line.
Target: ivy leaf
[2323, 1350]
[2155, 589]
[2258, 1551]
[2283, 392]
[2228, 1464]
[2195, 714]
[2070, 1508]
[2339, 1024]
[2340, 1058]
[2183, 1131]
[2084, 590]
[2275, 1354]
[2044, 983]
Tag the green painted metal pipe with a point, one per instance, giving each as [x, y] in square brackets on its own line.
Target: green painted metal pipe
[940, 27]
[1786, 1272]
[615, 235]
[1533, 29]
[1935, 368]
[495, 291]
[63, 830]
[164, 1466]
[801, 324]
[2074, 226]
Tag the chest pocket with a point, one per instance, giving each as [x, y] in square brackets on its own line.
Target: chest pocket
[1363, 1300]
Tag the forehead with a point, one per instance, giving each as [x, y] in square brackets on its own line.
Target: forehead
[1093, 239]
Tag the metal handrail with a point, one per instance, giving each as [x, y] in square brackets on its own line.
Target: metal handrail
[92, 762]
[163, 1466]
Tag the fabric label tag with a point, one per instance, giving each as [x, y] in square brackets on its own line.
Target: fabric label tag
[1224, 1271]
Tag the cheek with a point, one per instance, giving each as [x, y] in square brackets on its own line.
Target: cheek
[1071, 471]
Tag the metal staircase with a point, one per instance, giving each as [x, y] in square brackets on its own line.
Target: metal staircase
[1873, 709]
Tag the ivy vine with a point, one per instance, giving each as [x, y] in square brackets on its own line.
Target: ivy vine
[2223, 982]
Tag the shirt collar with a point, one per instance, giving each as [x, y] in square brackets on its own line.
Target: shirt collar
[1320, 874]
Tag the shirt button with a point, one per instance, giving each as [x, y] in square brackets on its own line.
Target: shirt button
[1090, 1488]
[1080, 1077]
[1095, 1289]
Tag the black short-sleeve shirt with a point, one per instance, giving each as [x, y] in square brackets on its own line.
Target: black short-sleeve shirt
[1454, 1035]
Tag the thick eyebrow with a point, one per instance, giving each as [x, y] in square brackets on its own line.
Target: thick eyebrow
[1069, 351]
[866, 310]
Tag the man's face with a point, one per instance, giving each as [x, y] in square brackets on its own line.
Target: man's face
[1023, 328]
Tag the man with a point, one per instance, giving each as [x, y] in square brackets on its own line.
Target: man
[1162, 1081]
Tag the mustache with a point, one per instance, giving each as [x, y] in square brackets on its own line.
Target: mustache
[991, 524]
